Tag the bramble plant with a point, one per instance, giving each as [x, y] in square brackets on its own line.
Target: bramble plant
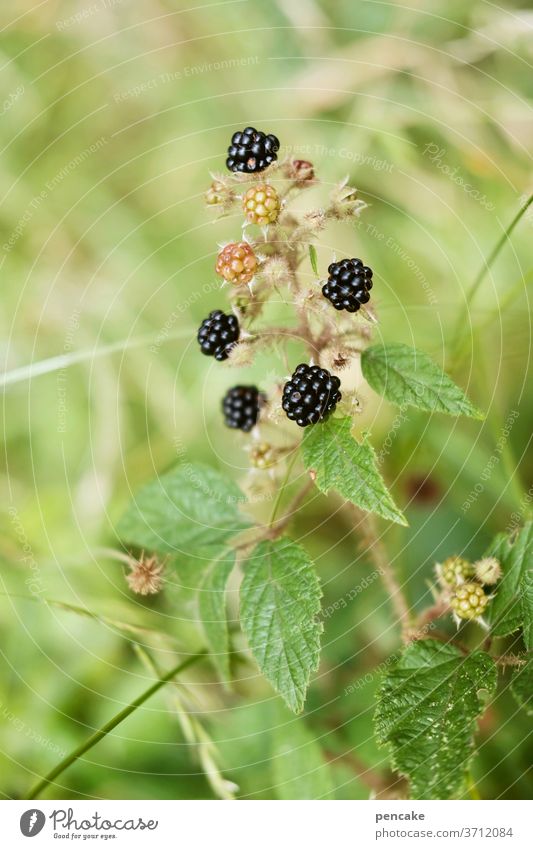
[302, 423]
[432, 695]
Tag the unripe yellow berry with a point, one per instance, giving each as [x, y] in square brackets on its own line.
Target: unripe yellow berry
[261, 204]
[262, 456]
[454, 570]
[469, 600]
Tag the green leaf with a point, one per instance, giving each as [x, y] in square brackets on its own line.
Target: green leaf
[408, 377]
[526, 589]
[280, 603]
[338, 461]
[314, 259]
[298, 765]
[426, 712]
[212, 607]
[512, 607]
[192, 510]
[522, 686]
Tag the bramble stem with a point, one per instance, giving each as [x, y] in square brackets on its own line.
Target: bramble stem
[109, 726]
[277, 530]
[376, 551]
[279, 496]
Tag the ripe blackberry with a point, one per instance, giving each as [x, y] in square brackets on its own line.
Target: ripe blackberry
[217, 334]
[348, 284]
[469, 600]
[310, 394]
[241, 406]
[251, 151]
[237, 263]
[261, 204]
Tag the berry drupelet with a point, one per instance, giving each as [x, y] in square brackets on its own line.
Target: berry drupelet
[217, 334]
[241, 406]
[348, 284]
[310, 395]
[252, 151]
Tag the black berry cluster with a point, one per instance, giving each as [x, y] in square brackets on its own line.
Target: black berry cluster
[251, 151]
[348, 284]
[241, 406]
[312, 392]
[310, 395]
[217, 334]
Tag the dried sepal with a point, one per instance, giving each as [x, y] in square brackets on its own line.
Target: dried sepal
[344, 202]
[488, 570]
[241, 355]
[146, 575]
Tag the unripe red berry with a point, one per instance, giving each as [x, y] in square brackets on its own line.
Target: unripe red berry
[237, 263]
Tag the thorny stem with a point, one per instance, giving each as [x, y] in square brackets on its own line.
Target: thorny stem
[509, 660]
[109, 726]
[277, 530]
[274, 529]
[434, 612]
[378, 555]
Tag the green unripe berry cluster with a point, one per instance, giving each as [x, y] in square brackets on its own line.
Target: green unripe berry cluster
[469, 601]
[455, 570]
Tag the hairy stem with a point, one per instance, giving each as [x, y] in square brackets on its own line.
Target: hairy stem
[282, 488]
[376, 550]
[431, 613]
[509, 660]
[277, 529]
[109, 726]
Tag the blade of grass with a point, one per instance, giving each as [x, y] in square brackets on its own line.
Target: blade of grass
[195, 734]
[109, 726]
[461, 324]
[90, 614]
[61, 361]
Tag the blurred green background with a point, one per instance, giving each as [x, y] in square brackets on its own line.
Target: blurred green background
[114, 114]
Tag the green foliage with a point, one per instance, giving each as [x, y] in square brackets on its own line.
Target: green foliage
[122, 314]
[191, 509]
[512, 607]
[408, 377]
[313, 258]
[339, 462]
[280, 603]
[300, 771]
[212, 607]
[427, 707]
[522, 686]
[527, 606]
